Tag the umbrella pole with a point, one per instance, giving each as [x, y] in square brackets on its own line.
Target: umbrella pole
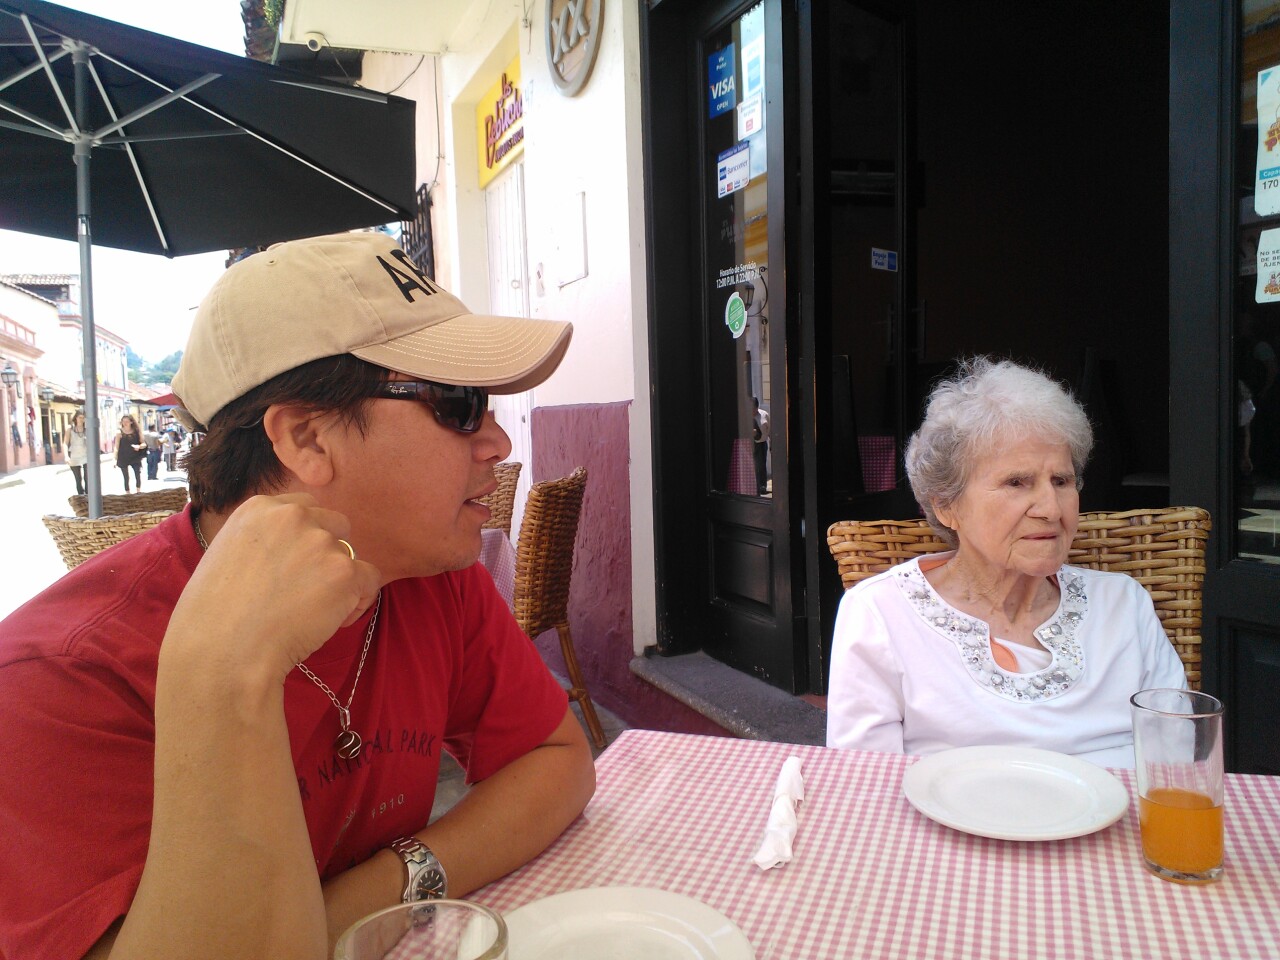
[93, 467]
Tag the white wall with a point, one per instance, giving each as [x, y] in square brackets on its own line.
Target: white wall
[589, 145]
[35, 313]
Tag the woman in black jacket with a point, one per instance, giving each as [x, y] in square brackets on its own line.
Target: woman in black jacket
[130, 451]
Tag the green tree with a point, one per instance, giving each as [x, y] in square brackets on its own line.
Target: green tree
[137, 366]
[166, 368]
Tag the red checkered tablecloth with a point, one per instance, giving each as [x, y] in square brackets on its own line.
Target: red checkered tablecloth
[742, 468]
[872, 878]
[498, 556]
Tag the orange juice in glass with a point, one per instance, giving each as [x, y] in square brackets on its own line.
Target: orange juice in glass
[1177, 740]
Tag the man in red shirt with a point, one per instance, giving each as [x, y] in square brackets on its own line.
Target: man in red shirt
[225, 733]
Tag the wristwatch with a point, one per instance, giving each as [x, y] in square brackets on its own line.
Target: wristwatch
[424, 876]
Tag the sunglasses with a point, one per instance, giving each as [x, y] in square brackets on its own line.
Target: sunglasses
[458, 408]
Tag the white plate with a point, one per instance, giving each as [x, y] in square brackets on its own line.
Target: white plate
[1015, 793]
[623, 923]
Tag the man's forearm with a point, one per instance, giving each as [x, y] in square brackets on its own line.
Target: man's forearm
[229, 869]
[502, 823]
[513, 816]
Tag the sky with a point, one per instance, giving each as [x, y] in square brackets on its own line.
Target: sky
[148, 300]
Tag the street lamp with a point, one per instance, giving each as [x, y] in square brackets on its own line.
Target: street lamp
[8, 374]
[50, 437]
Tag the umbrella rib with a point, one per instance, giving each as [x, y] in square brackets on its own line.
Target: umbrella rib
[48, 69]
[34, 68]
[21, 128]
[358, 93]
[257, 136]
[133, 160]
[168, 98]
[121, 141]
[53, 131]
[299, 158]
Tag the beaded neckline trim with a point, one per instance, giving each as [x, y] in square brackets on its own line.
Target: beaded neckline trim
[971, 637]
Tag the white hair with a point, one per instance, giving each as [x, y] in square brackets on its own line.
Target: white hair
[985, 403]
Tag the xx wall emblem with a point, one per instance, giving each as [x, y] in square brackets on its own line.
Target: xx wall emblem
[573, 37]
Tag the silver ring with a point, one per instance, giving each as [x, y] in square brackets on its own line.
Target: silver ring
[350, 549]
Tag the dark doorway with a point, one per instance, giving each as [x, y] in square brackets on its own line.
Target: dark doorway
[1015, 157]
[986, 177]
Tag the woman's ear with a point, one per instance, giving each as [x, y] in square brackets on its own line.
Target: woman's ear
[945, 515]
[300, 438]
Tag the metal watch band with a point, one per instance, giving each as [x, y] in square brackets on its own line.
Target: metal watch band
[424, 876]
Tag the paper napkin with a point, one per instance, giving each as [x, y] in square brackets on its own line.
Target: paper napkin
[780, 831]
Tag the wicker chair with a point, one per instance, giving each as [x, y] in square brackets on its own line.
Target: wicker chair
[79, 538]
[1163, 549]
[502, 501]
[170, 499]
[544, 567]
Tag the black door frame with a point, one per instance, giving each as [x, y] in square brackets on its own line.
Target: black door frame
[670, 35]
[677, 433]
[1239, 595]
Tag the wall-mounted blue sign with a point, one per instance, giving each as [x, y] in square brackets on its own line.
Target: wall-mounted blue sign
[721, 93]
[884, 259]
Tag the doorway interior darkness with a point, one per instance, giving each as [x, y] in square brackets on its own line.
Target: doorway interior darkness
[1013, 158]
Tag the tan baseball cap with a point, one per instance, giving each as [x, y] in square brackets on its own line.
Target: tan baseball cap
[352, 293]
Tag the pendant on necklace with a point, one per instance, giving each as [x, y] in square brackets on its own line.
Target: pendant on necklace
[347, 745]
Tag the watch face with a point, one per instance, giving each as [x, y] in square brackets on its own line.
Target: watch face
[429, 885]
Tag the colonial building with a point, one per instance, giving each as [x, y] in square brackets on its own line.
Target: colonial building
[62, 365]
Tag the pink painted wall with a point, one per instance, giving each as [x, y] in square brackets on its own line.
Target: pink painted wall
[595, 436]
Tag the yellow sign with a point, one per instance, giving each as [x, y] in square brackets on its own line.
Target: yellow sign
[500, 124]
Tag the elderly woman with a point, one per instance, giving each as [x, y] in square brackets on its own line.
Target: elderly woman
[997, 641]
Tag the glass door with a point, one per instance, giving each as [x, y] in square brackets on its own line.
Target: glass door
[737, 258]
[744, 344]
[1224, 273]
[1256, 334]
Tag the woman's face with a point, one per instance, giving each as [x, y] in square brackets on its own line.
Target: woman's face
[1019, 511]
[78, 421]
[126, 424]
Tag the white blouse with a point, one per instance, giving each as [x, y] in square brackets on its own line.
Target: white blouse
[912, 674]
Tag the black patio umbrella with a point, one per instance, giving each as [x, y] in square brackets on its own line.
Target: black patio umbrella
[115, 135]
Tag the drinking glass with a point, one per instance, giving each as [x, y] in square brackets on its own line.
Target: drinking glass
[1177, 740]
[428, 930]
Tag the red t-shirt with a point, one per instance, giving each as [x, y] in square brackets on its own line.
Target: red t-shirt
[448, 669]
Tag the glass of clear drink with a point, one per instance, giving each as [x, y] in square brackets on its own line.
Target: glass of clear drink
[1177, 741]
[428, 930]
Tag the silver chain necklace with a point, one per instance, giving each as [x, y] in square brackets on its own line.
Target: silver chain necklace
[348, 744]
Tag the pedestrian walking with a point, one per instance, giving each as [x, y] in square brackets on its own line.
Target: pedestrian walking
[170, 449]
[153, 442]
[76, 442]
[130, 449]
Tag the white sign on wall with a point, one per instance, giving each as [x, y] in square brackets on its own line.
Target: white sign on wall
[750, 117]
[1268, 288]
[1266, 192]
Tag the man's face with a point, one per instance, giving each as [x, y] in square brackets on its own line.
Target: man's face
[409, 487]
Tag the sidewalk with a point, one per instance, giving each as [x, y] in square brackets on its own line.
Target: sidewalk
[26, 496]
